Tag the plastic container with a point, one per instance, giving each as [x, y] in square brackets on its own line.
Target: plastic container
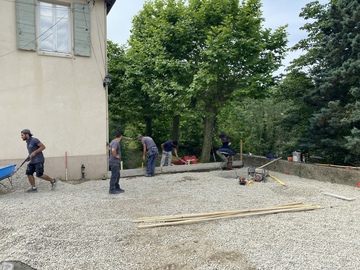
[290, 158]
[296, 156]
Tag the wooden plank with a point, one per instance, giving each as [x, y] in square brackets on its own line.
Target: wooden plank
[338, 166]
[228, 212]
[264, 212]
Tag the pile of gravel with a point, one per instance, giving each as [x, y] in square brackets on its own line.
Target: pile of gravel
[83, 227]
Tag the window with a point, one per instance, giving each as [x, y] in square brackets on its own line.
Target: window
[54, 30]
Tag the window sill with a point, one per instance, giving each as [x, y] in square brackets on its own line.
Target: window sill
[64, 55]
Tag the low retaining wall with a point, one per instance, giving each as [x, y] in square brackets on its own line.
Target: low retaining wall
[306, 170]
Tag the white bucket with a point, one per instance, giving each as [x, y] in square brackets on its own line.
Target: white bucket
[296, 157]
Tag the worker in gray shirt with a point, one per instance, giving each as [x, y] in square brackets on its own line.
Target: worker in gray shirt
[114, 163]
[150, 154]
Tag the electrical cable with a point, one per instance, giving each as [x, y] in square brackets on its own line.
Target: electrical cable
[57, 22]
[52, 26]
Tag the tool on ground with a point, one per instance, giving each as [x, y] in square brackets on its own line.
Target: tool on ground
[260, 174]
[338, 196]
[257, 174]
[242, 181]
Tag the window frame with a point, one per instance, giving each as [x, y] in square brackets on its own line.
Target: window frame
[27, 18]
[70, 37]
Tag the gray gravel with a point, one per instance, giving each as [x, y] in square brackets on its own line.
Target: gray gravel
[83, 227]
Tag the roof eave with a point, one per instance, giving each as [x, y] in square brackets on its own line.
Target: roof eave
[109, 4]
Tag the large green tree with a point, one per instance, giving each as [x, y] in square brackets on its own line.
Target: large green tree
[335, 70]
[159, 53]
[198, 55]
[237, 57]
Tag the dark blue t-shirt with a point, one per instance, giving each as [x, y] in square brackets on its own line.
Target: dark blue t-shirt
[32, 145]
[168, 146]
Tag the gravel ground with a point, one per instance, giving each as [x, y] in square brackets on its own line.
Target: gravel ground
[83, 227]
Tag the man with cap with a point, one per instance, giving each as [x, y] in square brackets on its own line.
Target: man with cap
[151, 152]
[167, 151]
[114, 163]
[224, 139]
[36, 158]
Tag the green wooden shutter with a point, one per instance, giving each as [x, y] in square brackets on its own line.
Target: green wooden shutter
[25, 25]
[82, 42]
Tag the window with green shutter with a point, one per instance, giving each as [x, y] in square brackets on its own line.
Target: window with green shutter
[25, 25]
[54, 28]
[82, 42]
[48, 28]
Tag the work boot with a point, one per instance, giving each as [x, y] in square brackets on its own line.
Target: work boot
[114, 191]
[120, 190]
[53, 183]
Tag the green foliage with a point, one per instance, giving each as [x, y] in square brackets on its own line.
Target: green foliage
[334, 67]
[256, 122]
[189, 60]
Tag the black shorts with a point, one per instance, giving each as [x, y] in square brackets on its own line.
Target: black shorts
[37, 167]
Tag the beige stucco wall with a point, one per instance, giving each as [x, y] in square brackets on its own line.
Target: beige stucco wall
[60, 99]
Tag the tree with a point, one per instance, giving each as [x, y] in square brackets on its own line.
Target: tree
[335, 71]
[236, 57]
[117, 69]
[159, 54]
[295, 122]
[189, 59]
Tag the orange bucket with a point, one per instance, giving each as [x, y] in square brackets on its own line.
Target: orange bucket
[290, 159]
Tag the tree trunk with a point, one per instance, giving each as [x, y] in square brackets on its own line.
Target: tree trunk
[208, 133]
[148, 122]
[175, 135]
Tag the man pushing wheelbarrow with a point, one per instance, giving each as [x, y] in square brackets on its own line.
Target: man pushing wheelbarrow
[36, 160]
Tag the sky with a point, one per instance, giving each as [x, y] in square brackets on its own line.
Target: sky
[276, 13]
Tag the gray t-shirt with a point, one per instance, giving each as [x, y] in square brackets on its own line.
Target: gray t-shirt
[148, 141]
[32, 145]
[115, 144]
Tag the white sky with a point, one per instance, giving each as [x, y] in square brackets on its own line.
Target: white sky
[275, 12]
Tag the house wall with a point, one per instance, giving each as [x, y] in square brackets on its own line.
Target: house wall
[60, 99]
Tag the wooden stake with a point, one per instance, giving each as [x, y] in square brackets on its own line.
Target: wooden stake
[241, 156]
[269, 163]
[273, 177]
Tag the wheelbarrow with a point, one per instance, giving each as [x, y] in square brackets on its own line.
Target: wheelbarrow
[7, 172]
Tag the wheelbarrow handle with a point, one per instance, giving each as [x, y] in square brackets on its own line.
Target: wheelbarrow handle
[27, 159]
